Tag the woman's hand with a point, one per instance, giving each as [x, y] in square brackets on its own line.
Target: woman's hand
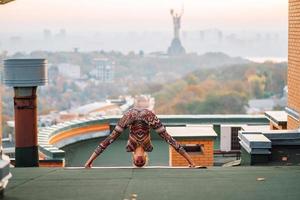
[192, 165]
[188, 159]
[88, 164]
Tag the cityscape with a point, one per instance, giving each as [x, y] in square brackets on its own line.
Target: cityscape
[251, 44]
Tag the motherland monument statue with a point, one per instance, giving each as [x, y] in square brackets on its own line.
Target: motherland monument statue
[176, 47]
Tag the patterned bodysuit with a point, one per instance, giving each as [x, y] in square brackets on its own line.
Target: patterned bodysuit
[139, 122]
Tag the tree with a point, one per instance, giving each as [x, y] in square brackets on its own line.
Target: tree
[228, 103]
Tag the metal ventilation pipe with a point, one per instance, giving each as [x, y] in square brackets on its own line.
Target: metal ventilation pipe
[25, 75]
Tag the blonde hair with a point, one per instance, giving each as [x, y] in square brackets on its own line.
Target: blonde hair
[145, 156]
[141, 101]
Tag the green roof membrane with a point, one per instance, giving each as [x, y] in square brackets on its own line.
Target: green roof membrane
[115, 155]
[237, 183]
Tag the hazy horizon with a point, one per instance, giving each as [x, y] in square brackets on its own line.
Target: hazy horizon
[249, 28]
[142, 15]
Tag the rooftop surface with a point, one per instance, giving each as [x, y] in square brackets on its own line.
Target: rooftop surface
[192, 131]
[213, 183]
[258, 128]
[277, 116]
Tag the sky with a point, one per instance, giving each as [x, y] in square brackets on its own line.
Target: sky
[142, 15]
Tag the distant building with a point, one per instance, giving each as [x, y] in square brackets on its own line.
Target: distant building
[103, 71]
[47, 34]
[62, 34]
[69, 70]
[76, 50]
[15, 40]
[282, 101]
[211, 36]
[8, 143]
[257, 106]
[52, 72]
